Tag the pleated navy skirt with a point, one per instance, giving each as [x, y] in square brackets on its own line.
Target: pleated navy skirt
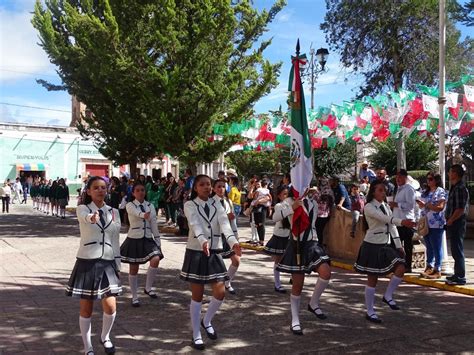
[94, 279]
[276, 245]
[202, 269]
[139, 251]
[311, 257]
[227, 251]
[377, 259]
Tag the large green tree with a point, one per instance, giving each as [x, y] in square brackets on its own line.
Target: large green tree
[334, 161]
[157, 74]
[249, 163]
[422, 154]
[394, 43]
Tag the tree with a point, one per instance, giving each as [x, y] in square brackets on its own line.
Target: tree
[394, 44]
[422, 154]
[249, 163]
[158, 74]
[334, 161]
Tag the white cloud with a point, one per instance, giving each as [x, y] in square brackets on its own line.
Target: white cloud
[19, 49]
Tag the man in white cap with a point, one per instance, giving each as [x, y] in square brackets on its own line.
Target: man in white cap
[365, 171]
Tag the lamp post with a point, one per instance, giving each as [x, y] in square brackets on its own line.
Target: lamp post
[315, 66]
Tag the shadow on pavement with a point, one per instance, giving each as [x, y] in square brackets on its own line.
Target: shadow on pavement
[256, 320]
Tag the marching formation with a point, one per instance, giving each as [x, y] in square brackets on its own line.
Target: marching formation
[213, 237]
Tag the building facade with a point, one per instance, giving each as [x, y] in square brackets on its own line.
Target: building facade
[52, 152]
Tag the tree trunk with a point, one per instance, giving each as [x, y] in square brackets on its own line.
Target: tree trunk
[133, 168]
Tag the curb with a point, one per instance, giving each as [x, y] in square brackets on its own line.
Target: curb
[469, 291]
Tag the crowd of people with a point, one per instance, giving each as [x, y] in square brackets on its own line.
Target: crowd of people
[48, 196]
[211, 209]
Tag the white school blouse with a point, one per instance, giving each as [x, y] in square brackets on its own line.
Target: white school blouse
[382, 226]
[282, 210]
[203, 228]
[312, 206]
[139, 226]
[99, 241]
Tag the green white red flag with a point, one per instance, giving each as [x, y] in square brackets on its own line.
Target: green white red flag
[301, 158]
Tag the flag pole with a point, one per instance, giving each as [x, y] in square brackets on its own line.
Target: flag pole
[445, 267]
[298, 252]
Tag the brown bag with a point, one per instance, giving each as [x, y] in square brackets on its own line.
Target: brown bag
[423, 228]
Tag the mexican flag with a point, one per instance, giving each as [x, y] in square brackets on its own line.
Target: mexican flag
[301, 159]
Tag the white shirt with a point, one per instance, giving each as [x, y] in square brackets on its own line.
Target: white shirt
[382, 226]
[312, 210]
[229, 208]
[7, 191]
[405, 199]
[139, 226]
[282, 210]
[99, 241]
[203, 228]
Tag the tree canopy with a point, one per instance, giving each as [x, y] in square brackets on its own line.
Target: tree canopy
[158, 74]
[422, 154]
[394, 44]
[249, 163]
[334, 161]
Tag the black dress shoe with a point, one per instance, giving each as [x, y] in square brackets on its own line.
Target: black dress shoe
[373, 318]
[210, 335]
[392, 306]
[296, 331]
[151, 293]
[109, 350]
[135, 303]
[197, 346]
[320, 316]
[280, 290]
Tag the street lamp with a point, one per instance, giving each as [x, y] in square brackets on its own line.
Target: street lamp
[315, 66]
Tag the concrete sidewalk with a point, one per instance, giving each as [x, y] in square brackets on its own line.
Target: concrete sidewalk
[38, 252]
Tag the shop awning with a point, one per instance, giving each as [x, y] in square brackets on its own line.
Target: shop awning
[31, 167]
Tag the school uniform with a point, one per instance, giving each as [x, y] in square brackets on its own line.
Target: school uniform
[279, 240]
[229, 208]
[96, 271]
[376, 256]
[207, 220]
[311, 255]
[143, 238]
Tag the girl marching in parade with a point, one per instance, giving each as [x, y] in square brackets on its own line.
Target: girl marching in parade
[143, 242]
[203, 263]
[279, 241]
[96, 271]
[376, 256]
[303, 256]
[220, 195]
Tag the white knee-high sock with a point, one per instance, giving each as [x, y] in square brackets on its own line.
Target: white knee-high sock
[133, 282]
[392, 285]
[369, 299]
[195, 312]
[214, 306]
[295, 310]
[85, 327]
[319, 288]
[107, 324]
[150, 277]
[276, 276]
[231, 272]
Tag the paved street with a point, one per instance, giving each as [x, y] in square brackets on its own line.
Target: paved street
[38, 253]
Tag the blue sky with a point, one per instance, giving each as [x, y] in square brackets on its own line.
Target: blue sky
[22, 61]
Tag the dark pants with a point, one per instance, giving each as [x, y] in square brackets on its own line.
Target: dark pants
[320, 224]
[456, 232]
[259, 217]
[6, 204]
[406, 236]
